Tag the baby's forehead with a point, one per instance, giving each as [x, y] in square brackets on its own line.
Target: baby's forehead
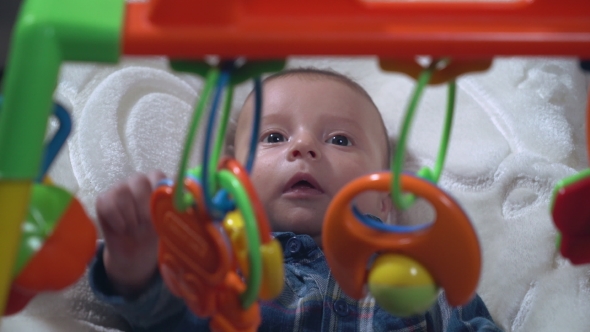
[280, 87]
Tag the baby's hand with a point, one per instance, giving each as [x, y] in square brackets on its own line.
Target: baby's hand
[131, 243]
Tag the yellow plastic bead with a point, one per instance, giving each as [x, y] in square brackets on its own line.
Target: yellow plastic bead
[401, 285]
[272, 270]
[233, 224]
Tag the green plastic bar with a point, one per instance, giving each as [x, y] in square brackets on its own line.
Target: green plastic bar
[215, 155]
[404, 201]
[180, 203]
[400, 200]
[230, 182]
[48, 32]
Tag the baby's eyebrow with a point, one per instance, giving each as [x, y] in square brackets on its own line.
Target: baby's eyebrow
[273, 117]
[339, 120]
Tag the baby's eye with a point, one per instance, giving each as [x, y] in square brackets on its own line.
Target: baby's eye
[273, 138]
[339, 140]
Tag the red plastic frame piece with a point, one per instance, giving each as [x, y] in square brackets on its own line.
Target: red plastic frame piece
[449, 249]
[191, 29]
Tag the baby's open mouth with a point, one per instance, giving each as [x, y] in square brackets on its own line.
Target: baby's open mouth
[302, 183]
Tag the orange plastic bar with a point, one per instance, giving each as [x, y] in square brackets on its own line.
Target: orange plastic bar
[449, 249]
[191, 29]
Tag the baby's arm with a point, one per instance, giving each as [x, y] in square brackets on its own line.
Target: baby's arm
[124, 273]
[131, 243]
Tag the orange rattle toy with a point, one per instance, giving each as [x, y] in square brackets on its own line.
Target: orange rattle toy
[407, 264]
[448, 248]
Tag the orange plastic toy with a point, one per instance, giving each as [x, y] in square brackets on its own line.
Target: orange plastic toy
[448, 249]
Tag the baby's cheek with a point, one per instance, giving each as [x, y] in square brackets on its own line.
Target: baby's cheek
[369, 202]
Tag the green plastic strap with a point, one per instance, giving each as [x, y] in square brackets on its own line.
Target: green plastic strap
[179, 201]
[404, 201]
[214, 160]
[230, 182]
[434, 175]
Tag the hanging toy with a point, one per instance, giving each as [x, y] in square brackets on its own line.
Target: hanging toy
[215, 249]
[570, 210]
[404, 266]
[58, 239]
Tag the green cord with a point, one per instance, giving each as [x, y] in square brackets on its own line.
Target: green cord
[444, 142]
[232, 184]
[212, 76]
[404, 201]
[214, 161]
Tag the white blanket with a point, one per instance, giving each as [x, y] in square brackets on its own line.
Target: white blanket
[518, 129]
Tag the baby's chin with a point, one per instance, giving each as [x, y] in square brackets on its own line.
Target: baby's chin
[309, 227]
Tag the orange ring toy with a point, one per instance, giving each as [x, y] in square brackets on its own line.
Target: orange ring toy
[270, 249]
[448, 249]
[262, 220]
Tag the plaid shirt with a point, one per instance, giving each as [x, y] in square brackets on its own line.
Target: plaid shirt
[311, 301]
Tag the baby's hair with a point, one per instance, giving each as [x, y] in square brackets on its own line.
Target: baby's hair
[310, 73]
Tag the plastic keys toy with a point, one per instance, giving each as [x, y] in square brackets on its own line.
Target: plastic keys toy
[215, 249]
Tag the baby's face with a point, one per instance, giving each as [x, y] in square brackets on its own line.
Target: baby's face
[316, 135]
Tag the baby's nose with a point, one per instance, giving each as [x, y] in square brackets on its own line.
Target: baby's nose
[305, 146]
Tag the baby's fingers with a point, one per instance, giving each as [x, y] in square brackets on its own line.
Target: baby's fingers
[109, 213]
[142, 187]
[155, 177]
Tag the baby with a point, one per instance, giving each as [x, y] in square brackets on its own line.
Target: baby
[319, 131]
